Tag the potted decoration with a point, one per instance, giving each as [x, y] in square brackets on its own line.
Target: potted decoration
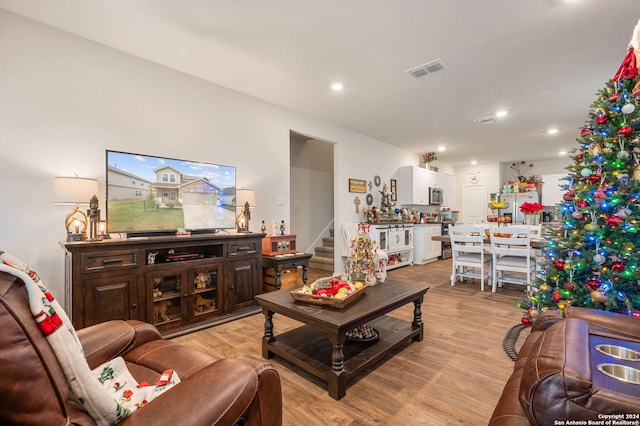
[428, 158]
[531, 212]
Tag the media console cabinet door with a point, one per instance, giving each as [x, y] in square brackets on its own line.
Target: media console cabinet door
[244, 280]
[109, 297]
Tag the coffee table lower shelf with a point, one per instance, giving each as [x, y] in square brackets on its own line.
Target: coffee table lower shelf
[310, 349]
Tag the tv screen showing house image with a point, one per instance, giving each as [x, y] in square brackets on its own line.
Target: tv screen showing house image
[148, 194]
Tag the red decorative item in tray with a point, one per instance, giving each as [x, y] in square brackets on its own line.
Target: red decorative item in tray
[327, 300]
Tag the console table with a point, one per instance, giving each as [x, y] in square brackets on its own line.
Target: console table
[282, 262]
[179, 284]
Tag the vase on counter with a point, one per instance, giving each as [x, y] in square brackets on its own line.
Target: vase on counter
[532, 219]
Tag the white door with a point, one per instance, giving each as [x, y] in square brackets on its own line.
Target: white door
[474, 204]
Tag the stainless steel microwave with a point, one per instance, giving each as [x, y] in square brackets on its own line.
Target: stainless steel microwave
[435, 196]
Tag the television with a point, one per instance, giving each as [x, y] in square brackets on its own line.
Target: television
[149, 195]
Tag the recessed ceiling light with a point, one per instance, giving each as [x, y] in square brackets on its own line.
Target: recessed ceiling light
[562, 153]
[441, 148]
[336, 87]
[552, 131]
[474, 162]
[501, 113]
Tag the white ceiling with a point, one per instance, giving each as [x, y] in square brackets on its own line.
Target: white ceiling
[542, 60]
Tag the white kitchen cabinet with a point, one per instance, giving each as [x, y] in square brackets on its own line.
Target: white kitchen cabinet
[552, 191]
[445, 182]
[426, 250]
[414, 183]
[396, 240]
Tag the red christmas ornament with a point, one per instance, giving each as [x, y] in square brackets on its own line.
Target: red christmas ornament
[617, 266]
[625, 130]
[614, 220]
[526, 322]
[569, 286]
[593, 284]
[613, 98]
[593, 179]
[585, 131]
[559, 264]
[556, 297]
[582, 203]
[601, 119]
[569, 196]
[579, 156]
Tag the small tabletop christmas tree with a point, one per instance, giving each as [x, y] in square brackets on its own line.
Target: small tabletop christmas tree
[594, 260]
[363, 260]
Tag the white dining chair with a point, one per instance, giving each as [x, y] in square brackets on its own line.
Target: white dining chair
[468, 255]
[535, 230]
[513, 261]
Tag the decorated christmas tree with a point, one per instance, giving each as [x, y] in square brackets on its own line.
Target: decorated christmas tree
[363, 260]
[594, 258]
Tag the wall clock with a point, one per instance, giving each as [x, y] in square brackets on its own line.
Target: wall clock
[376, 180]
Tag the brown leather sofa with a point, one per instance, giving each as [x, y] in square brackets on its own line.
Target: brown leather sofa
[33, 389]
[556, 377]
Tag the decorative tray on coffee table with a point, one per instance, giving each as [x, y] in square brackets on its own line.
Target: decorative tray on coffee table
[333, 302]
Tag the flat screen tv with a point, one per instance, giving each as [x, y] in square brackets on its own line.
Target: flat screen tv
[149, 195]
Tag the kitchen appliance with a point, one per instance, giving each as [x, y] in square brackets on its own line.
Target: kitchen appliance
[448, 216]
[435, 196]
[514, 202]
[446, 246]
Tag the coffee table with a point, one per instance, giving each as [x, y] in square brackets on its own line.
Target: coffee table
[321, 348]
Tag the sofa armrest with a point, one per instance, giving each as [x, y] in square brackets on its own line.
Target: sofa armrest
[609, 321]
[107, 340]
[220, 393]
[546, 319]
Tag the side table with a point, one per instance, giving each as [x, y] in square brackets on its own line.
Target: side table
[282, 262]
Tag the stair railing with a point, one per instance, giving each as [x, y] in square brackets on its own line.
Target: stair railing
[325, 232]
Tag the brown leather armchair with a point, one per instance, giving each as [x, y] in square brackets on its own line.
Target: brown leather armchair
[556, 378]
[33, 390]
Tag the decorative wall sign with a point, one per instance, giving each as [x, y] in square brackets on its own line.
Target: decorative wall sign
[394, 190]
[474, 177]
[357, 185]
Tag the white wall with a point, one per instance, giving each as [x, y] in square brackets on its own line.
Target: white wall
[530, 168]
[65, 100]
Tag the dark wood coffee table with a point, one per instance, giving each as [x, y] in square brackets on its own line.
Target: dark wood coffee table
[321, 348]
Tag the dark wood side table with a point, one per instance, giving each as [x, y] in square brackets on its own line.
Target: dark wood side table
[282, 262]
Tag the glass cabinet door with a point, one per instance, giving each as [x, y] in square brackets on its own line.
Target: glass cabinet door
[205, 298]
[168, 289]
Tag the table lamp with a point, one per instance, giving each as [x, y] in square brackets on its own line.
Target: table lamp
[245, 199]
[73, 191]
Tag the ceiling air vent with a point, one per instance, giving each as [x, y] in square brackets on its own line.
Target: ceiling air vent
[428, 68]
[485, 120]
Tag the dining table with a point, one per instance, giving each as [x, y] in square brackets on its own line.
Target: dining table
[536, 242]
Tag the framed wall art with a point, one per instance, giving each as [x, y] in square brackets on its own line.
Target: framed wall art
[357, 185]
[394, 190]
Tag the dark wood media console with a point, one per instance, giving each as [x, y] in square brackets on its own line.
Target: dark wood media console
[179, 284]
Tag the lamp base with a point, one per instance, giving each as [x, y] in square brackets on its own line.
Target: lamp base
[76, 237]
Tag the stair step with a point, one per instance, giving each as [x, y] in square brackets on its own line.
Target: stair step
[322, 263]
[328, 241]
[324, 251]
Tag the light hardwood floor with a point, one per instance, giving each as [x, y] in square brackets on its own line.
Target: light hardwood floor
[454, 376]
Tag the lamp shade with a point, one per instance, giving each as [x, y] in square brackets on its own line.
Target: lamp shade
[73, 190]
[245, 196]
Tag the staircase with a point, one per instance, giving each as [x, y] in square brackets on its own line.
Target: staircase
[323, 255]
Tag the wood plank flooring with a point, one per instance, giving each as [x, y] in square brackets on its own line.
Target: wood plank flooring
[453, 377]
